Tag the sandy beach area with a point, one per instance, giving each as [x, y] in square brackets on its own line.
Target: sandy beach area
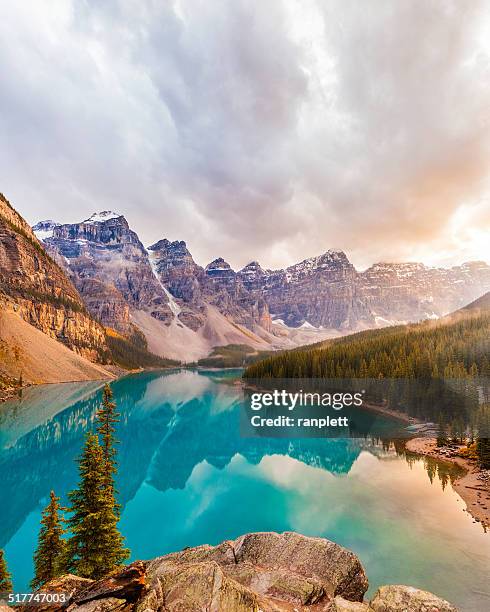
[474, 490]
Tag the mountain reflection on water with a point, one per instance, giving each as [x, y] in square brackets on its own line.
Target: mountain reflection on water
[186, 477]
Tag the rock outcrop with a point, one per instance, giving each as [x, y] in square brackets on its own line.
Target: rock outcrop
[38, 290]
[257, 572]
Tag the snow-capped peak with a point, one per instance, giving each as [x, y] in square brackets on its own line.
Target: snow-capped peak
[100, 217]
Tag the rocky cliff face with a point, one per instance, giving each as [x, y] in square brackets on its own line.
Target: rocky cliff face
[217, 284]
[257, 572]
[109, 266]
[327, 291]
[412, 291]
[322, 291]
[33, 285]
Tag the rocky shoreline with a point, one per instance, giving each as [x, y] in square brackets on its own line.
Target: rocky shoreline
[257, 572]
[473, 486]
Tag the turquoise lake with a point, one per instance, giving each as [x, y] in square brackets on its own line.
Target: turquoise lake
[187, 477]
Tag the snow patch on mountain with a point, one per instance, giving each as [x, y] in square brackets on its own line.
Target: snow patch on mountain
[279, 322]
[44, 229]
[307, 325]
[174, 307]
[103, 216]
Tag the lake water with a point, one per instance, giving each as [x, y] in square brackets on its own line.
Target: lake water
[187, 477]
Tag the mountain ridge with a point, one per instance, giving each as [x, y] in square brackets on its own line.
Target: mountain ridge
[123, 284]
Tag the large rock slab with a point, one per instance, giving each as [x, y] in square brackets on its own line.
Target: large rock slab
[287, 567]
[195, 587]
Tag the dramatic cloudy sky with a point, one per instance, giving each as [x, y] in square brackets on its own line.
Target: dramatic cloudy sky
[269, 130]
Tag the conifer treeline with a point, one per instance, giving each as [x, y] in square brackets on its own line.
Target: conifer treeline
[453, 349]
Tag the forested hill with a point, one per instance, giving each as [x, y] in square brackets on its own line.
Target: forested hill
[454, 347]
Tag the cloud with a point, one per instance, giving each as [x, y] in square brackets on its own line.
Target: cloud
[267, 131]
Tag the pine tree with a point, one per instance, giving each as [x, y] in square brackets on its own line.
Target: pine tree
[49, 555]
[5, 577]
[96, 546]
[107, 416]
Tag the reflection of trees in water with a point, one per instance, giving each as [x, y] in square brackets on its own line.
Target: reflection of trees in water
[44, 459]
[159, 443]
[444, 471]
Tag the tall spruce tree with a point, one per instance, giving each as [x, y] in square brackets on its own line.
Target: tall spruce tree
[107, 416]
[96, 546]
[50, 553]
[5, 576]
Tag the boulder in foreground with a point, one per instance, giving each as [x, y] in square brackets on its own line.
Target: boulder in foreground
[257, 572]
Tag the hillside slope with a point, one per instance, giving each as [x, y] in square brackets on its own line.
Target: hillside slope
[39, 291]
[28, 353]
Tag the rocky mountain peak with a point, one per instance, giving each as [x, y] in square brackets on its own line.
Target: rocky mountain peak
[164, 243]
[177, 248]
[252, 276]
[110, 267]
[171, 259]
[252, 268]
[329, 265]
[334, 255]
[218, 265]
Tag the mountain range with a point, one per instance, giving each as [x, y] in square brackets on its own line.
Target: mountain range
[77, 299]
[184, 309]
